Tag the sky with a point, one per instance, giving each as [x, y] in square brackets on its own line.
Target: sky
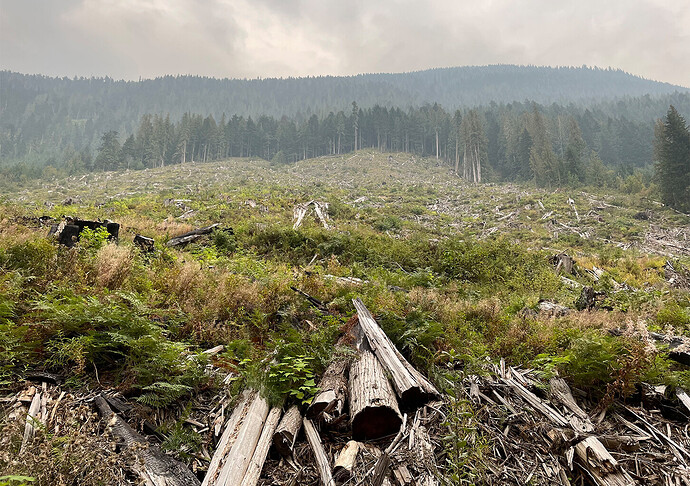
[132, 39]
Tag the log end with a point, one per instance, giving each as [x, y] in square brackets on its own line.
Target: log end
[375, 422]
[415, 397]
[282, 441]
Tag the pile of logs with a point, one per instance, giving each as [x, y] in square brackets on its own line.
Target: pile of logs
[378, 387]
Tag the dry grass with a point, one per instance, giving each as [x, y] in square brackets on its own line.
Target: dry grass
[113, 264]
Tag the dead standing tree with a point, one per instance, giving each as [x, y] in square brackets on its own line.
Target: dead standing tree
[475, 142]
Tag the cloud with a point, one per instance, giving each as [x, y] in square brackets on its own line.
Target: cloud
[245, 38]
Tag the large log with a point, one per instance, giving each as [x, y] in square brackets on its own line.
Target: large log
[251, 477]
[227, 440]
[286, 433]
[374, 411]
[333, 386]
[238, 459]
[412, 387]
[153, 466]
[322, 463]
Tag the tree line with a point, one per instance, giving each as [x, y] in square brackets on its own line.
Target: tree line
[514, 142]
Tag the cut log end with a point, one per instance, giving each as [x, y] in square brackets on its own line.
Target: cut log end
[375, 422]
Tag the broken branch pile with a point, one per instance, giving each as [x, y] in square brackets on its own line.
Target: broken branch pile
[548, 438]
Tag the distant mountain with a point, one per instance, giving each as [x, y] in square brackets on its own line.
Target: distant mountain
[450, 87]
[44, 120]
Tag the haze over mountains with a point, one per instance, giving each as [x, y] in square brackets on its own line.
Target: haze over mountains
[61, 122]
[450, 87]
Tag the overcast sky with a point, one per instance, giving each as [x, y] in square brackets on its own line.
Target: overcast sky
[272, 38]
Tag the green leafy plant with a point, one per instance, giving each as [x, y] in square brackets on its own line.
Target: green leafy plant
[293, 377]
[93, 239]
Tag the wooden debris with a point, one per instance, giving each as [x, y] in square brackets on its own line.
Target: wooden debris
[69, 230]
[193, 235]
[251, 477]
[601, 465]
[237, 460]
[333, 391]
[228, 438]
[300, 211]
[342, 470]
[286, 433]
[412, 387]
[153, 466]
[384, 461]
[144, 243]
[322, 462]
[312, 300]
[33, 417]
[563, 263]
[374, 411]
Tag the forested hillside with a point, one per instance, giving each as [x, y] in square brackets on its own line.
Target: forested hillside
[49, 124]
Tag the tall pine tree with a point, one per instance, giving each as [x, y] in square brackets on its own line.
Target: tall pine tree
[672, 153]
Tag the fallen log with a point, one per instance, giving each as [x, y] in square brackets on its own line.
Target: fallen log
[69, 231]
[228, 438]
[411, 386]
[333, 386]
[153, 466]
[322, 463]
[239, 457]
[342, 470]
[374, 411]
[251, 477]
[286, 433]
[192, 235]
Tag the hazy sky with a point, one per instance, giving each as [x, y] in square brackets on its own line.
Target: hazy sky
[269, 38]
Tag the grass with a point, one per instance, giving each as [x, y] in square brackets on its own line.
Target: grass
[453, 272]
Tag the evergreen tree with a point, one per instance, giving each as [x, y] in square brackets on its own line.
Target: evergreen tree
[672, 153]
[109, 152]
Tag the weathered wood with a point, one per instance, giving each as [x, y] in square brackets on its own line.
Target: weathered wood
[251, 477]
[556, 417]
[32, 417]
[238, 459]
[684, 398]
[601, 465]
[192, 235]
[144, 243]
[286, 433]
[563, 263]
[333, 386]
[322, 463]
[342, 470]
[384, 460]
[227, 440]
[560, 391]
[411, 386]
[153, 466]
[374, 411]
[424, 458]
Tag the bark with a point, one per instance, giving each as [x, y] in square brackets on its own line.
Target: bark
[333, 386]
[374, 411]
[412, 388]
[286, 433]
[251, 477]
[322, 463]
[153, 466]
